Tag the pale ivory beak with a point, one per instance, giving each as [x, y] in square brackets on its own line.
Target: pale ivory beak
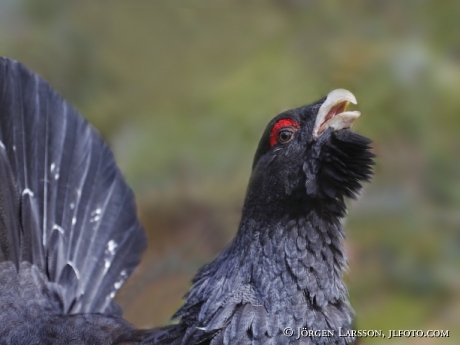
[333, 114]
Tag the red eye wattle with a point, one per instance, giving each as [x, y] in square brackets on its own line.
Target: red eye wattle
[283, 124]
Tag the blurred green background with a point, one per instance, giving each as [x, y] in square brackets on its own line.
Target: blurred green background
[182, 91]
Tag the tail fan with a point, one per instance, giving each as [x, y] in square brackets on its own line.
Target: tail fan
[74, 216]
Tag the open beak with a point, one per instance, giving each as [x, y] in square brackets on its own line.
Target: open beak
[333, 114]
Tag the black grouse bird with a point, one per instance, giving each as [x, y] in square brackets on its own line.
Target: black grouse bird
[280, 279]
[69, 233]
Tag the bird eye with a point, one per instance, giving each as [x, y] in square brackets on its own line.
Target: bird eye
[283, 131]
[284, 136]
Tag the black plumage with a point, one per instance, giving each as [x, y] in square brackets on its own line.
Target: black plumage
[69, 233]
[284, 267]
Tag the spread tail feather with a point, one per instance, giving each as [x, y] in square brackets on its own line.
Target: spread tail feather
[64, 205]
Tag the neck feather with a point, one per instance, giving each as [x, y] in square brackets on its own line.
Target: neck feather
[292, 266]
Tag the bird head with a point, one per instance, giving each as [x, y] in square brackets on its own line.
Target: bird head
[309, 157]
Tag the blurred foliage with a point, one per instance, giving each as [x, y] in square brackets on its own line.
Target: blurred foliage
[182, 90]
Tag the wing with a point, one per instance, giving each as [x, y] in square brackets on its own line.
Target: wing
[77, 217]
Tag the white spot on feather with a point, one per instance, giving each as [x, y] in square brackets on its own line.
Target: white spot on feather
[27, 191]
[109, 254]
[95, 215]
[14, 147]
[94, 219]
[58, 228]
[72, 205]
[96, 212]
[74, 220]
[112, 295]
[119, 283]
[54, 169]
[111, 246]
[2, 145]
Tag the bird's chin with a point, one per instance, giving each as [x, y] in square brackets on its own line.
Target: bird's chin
[340, 162]
[347, 160]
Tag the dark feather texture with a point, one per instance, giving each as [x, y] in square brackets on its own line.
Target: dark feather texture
[284, 267]
[68, 219]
